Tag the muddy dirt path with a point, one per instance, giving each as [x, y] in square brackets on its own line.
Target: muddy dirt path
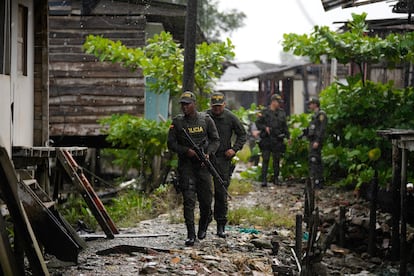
[245, 251]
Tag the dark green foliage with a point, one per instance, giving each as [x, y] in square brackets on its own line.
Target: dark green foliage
[359, 108]
[162, 60]
[138, 141]
[356, 112]
[295, 160]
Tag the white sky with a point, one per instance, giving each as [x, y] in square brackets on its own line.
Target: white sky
[267, 21]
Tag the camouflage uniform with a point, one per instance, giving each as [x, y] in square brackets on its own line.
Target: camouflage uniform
[194, 178]
[227, 124]
[273, 143]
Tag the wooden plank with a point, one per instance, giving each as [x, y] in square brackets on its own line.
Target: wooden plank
[88, 193]
[91, 70]
[68, 57]
[131, 42]
[93, 66]
[75, 129]
[93, 110]
[54, 236]
[91, 119]
[127, 235]
[96, 73]
[97, 82]
[98, 22]
[135, 91]
[22, 224]
[163, 9]
[114, 34]
[87, 100]
[45, 152]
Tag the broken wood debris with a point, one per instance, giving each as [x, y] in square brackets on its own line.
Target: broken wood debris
[101, 236]
[130, 249]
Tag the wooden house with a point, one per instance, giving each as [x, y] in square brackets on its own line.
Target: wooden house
[40, 52]
[241, 93]
[23, 73]
[83, 89]
[295, 82]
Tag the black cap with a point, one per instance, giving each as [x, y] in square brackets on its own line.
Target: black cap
[187, 97]
[314, 100]
[217, 99]
[276, 97]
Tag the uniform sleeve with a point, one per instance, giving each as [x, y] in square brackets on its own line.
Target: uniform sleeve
[213, 136]
[241, 135]
[261, 121]
[172, 141]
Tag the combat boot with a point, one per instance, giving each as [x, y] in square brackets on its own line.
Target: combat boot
[220, 230]
[190, 235]
[202, 228]
[264, 181]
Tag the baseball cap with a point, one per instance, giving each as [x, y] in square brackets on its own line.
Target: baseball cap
[217, 98]
[276, 97]
[313, 100]
[187, 97]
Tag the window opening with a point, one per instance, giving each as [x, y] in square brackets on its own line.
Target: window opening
[22, 41]
[5, 37]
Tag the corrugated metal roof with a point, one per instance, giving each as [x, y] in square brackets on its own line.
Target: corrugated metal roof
[332, 4]
[231, 80]
[385, 26]
[250, 85]
[242, 69]
[276, 69]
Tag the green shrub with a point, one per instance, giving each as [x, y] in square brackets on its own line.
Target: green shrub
[356, 112]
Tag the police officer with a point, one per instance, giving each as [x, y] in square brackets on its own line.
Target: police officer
[227, 124]
[194, 178]
[316, 133]
[273, 129]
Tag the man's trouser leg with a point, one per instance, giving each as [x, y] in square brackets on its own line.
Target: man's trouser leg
[223, 165]
[187, 185]
[205, 198]
[189, 200]
[265, 165]
[276, 166]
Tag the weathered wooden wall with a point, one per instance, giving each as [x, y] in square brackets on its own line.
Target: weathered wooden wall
[378, 73]
[83, 89]
[41, 89]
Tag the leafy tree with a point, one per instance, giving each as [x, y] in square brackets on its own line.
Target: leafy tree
[357, 109]
[215, 23]
[162, 60]
[354, 45]
[355, 113]
[138, 141]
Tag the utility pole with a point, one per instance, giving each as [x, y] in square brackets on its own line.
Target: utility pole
[190, 45]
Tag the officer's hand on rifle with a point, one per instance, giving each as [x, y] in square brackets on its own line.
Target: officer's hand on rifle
[230, 153]
[207, 157]
[191, 153]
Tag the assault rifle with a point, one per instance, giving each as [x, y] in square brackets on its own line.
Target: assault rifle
[200, 154]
